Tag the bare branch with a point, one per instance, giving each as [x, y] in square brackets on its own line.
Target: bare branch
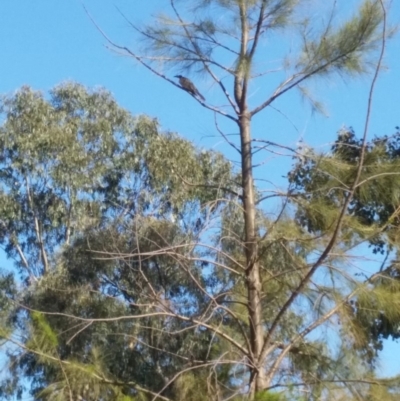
[150, 68]
[204, 60]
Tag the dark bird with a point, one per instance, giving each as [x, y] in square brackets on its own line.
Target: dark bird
[188, 86]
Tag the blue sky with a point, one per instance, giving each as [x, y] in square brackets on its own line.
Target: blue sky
[45, 42]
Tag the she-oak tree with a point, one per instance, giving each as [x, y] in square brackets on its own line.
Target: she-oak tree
[231, 310]
[222, 40]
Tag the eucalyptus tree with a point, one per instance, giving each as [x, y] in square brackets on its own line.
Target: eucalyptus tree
[57, 157]
[80, 174]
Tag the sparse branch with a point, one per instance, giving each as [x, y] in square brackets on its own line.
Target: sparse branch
[228, 190]
[218, 44]
[95, 375]
[186, 49]
[71, 398]
[375, 176]
[150, 68]
[196, 56]
[230, 143]
[172, 250]
[348, 198]
[306, 331]
[180, 373]
[85, 326]
[204, 61]
[297, 78]
[289, 84]
[198, 323]
[271, 143]
[315, 325]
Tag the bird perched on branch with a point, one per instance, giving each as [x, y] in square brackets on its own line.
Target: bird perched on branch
[188, 86]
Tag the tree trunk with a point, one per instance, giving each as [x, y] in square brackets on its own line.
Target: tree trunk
[253, 282]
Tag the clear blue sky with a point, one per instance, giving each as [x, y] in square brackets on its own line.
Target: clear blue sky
[45, 42]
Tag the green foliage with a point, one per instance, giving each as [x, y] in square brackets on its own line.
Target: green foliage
[372, 216]
[81, 176]
[344, 49]
[198, 44]
[151, 270]
[55, 157]
[269, 396]
[40, 324]
[71, 162]
[322, 181]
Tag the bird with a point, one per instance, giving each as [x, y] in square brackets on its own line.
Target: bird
[188, 86]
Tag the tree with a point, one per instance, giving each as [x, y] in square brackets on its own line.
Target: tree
[208, 293]
[229, 47]
[76, 169]
[375, 205]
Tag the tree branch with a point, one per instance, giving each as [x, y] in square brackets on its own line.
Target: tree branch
[349, 196]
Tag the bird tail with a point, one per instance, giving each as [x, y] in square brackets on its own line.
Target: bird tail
[200, 96]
